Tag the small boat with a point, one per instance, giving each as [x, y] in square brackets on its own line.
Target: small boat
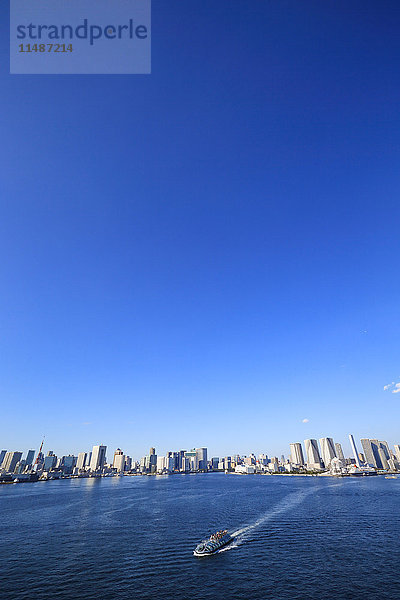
[213, 544]
[390, 476]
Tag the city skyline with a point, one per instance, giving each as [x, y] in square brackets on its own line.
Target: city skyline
[321, 448]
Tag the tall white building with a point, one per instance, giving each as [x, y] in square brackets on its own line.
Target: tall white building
[81, 461]
[327, 451]
[313, 457]
[119, 460]
[296, 454]
[98, 458]
[397, 451]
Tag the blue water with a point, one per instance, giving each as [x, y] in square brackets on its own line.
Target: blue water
[124, 538]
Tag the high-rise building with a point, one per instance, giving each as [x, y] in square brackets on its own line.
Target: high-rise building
[82, 460]
[10, 461]
[119, 460]
[98, 458]
[30, 457]
[68, 463]
[368, 452]
[50, 462]
[2, 455]
[397, 451]
[327, 450]
[296, 454]
[354, 450]
[313, 457]
[339, 451]
[201, 454]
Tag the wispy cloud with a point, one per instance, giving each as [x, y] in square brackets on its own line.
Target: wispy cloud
[392, 387]
[305, 420]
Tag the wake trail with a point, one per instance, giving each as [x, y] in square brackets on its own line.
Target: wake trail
[288, 503]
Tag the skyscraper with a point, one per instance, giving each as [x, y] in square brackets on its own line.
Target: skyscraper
[30, 456]
[119, 460]
[296, 453]
[2, 455]
[368, 452]
[81, 462]
[397, 451]
[10, 461]
[327, 450]
[98, 458]
[354, 450]
[313, 457]
[339, 451]
[201, 454]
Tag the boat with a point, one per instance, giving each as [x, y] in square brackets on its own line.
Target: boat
[214, 544]
[390, 476]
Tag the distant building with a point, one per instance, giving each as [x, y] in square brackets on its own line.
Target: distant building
[396, 451]
[339, 451]
[2, 455]
[313, 457]
[10, 461]
[327, 451]
[98, 458]
[30, 457]
[296, 454]
[119, 460]
[368, 452]
[81, 462]
[201, 454]
[50, 462]
[68, 463]
[214, 462]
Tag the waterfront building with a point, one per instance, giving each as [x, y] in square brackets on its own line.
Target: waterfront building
[313, 457]
[160, 464]
[50, 462]
[30, 457]
[98, 459]
[152, 463]
[384, 460]
[119, 460]
[369, 452]
[81, 461]
[296, 453]
[128, 463]
[2, 455]
[354, 450]
[10, 461]
[327, 451]
[201, 454]
[339, 451]
[68, 463]
[214, 462]
[397, 451]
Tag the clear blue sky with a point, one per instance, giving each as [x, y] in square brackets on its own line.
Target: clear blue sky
[209, 254]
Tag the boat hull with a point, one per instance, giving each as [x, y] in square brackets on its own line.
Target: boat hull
[215, 550]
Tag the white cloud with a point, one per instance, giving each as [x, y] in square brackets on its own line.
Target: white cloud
[393, 387]
[306, 420]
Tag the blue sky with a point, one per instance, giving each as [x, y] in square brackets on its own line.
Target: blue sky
[210, 254]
